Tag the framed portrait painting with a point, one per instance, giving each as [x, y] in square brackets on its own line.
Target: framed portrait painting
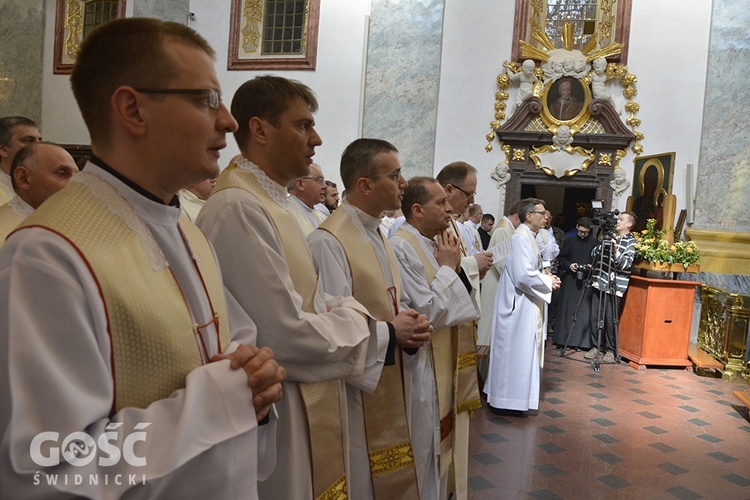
[652, 189]
[566, 101]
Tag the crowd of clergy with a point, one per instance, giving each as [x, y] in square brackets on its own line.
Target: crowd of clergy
[260, 337]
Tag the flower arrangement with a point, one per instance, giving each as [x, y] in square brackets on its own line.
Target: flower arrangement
[650, 247]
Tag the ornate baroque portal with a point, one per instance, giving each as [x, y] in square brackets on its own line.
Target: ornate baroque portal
[565, 128]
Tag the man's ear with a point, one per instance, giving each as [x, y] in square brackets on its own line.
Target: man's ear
[21, 177]
[417, 210]
[258, 128]
[128, 110]
[364, 185]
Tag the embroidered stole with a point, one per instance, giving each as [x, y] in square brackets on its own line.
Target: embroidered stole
[5, 194]
[154, 341]
[388, 442]
[321, 399]
[466, 383]
[444, 357]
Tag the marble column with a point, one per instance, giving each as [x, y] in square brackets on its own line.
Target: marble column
[403, 75]
[722, 215]
[21, 58]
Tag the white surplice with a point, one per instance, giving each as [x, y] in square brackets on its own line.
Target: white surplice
[201, 442]
[518, 329]
[335, 276]
[331, 344]
[446, 302]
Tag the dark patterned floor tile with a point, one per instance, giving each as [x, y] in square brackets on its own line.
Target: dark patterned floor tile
[554, 370]
[691, 409]
[552, 429]
[663, 447]
[648, 414]
[675, 387]
[715, 392]
[600, 408]
[544, 494]
[642, 402]
[493, 438]
[673, 469]
[722, 456]
[655, 430]
[556, 379]
[681, 396]
[683, 493]
[500, 421]
[709, 438]
[548, 470]
[638, 391]
[725, 402]
[555, 389]
[553, 414]
[486, 458]
[705, 382]
[603, 422]
[737, 479]
[606, 438]
[633, 381]
[554, 401]
[699, 422]
[745, 428]
[614, 482]
[550, 448]
[478, 483]
[610, 458]
[596, 385]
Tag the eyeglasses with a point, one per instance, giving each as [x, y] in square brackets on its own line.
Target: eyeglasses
[468, 194]
[214, 98]
[537, 212]
[319, 180]
[395, 176]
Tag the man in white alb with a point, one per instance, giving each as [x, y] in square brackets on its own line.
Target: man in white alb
[120, 349]
[429, 259]
[354, 258]
[15, 133]
[306, 192]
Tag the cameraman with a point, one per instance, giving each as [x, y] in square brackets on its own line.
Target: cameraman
[575, 265]
[611, 273]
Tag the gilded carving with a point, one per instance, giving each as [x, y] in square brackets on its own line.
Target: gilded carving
[73, 28]
[519, 155]
[605, 159]
[252, 15]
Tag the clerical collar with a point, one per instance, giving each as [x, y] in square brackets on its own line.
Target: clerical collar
[174, 202]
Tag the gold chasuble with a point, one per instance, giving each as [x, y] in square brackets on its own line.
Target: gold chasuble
[147, 316]
[388, 442]
[9, 220]
[321, 398]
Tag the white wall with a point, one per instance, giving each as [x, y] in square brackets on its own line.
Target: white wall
[667, 52]
[336, 81]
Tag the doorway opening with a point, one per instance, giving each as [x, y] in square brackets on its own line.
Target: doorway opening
[567, 204]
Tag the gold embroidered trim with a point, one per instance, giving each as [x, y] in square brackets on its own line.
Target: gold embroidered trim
[467, 360]
[473, 404]
[337, 490]
[391, 458]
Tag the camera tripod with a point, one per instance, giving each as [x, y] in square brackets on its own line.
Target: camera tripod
[607, 297]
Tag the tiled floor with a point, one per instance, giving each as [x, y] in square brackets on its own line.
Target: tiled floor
[620, 433]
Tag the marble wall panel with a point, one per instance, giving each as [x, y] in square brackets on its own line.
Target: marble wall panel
[21, 57]
[723, 186]
[403, 74]
[166, 10]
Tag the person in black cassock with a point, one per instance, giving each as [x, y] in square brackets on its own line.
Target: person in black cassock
[576, 251]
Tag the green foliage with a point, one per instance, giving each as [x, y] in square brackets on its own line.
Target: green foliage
[650, 247]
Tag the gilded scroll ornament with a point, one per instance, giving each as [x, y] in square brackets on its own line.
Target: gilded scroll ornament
[252, 13]
[73, 28]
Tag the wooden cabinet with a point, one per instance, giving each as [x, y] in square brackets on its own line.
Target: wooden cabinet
[656, 321]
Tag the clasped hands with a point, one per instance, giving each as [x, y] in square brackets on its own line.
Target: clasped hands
[264, 375]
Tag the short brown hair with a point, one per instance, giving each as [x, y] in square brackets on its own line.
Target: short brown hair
[267, 97]
[416, 193]
[357, 159]
[633, 217]
[455, 173]
[128, 51]
[8, 123]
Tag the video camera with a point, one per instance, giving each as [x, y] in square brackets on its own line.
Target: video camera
[603, 222]
[583, 272]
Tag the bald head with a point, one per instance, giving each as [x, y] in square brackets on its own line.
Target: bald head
[311, 189]
[40, 170]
